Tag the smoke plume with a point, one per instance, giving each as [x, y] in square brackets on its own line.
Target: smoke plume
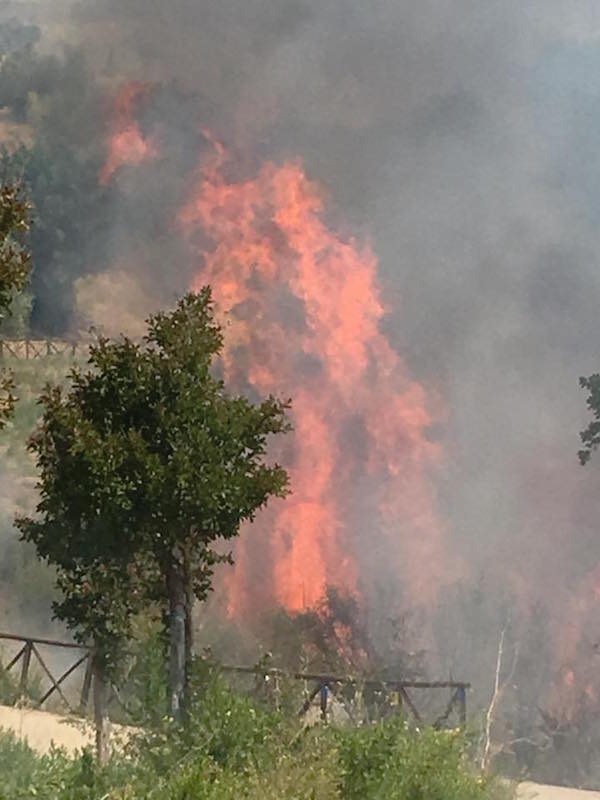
[455, 142]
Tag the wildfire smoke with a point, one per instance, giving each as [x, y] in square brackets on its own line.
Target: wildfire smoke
[303, 313]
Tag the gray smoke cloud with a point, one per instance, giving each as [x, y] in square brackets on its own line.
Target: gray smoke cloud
[460, 139]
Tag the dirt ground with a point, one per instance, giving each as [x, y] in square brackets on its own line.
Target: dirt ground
[41, 729]
[533, 791]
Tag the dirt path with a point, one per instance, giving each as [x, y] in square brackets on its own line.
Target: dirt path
[532, 791]
[41, 730]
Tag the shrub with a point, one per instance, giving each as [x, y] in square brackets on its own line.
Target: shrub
[234, 750]
[388, 761]
[224, 728]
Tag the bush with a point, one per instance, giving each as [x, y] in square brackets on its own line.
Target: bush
[388, 761]
[18, 765]
[234, 750]
[225, 729]
[10, 690]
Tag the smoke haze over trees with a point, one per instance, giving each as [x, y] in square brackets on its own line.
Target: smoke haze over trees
[458, 139]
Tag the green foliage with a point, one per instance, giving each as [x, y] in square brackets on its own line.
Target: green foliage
[15, 264]
[10, 692]
[7, 397]
[145, 453]
[144, 690]
[18, 766]
[590, 437]
[235, 750]
[55, 776]
[389, 762]
[225, 729]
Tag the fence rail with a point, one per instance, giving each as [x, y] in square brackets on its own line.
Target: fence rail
[30, 650]
[325, 686]
[29, 349]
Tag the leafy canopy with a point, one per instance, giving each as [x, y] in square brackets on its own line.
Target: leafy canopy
[147, 452]
[590, 437]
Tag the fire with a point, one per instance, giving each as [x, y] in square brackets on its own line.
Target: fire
[128, 146]
[304, 310]
[577, 643]
[570, 678]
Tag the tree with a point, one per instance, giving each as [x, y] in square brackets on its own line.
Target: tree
[15, 264]
[590, 437]
[145, 463]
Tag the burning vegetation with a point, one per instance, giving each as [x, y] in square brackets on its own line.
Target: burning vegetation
[303, 310]
[433, 511]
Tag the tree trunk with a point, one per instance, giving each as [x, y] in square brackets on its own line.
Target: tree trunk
[189, 633]
[101, 719]
[177, 636]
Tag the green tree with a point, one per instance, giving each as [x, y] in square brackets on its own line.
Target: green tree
[15, 264]
[590, 437]
[145, 463]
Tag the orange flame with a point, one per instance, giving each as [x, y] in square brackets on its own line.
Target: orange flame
[128, 146]
[304, 311]
[577, 643]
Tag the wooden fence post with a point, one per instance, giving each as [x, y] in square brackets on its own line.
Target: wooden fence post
[25, 669]
[101, 719]
[462, 705]
[87, 685]
[324, 696]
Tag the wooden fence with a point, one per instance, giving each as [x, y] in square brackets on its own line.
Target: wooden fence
[30, 650]
[29, 349]
[400, 693]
